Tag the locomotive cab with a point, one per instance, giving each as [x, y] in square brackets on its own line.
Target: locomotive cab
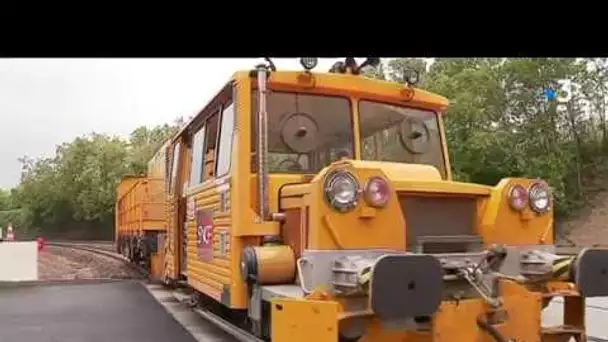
[328, 212]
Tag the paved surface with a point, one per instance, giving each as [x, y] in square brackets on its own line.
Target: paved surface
[113, 312]
[202, 330]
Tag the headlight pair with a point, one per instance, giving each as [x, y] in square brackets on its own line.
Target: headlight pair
[537, 197]
[342, 191]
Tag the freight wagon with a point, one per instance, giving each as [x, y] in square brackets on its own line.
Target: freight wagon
[140, 216]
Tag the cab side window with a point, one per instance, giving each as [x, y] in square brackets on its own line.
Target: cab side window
[212, 143]
[174, 164]
[198, 144]
[225, 140]
[212, 128]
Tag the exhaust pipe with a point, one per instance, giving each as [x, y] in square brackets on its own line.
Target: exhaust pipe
[262, 151]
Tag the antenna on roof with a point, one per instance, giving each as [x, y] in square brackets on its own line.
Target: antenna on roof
[270, 63]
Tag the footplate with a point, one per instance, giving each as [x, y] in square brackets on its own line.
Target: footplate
[591, 272]
[405, 286]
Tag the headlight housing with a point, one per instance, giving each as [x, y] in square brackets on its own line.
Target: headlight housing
[376, 192]
[540, 198]
[518, 197]
[341, 190]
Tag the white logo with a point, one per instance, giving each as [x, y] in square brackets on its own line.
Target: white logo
[204, 234]
[207, 234]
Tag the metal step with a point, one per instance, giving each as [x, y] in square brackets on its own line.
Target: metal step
[562, 333]
[564, 293]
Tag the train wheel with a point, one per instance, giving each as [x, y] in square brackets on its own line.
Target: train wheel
[131, 250]
[125, 249]
[144, 255]
[119, 245]
[135, 251]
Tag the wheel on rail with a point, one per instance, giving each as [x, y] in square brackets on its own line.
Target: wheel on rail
[144, 255]
[133, 250]
[126, 249]
[119, 245]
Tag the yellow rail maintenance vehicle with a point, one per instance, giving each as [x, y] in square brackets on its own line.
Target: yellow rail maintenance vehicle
[321, 207]
[140, 216]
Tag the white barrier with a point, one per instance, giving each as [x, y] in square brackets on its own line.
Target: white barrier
[18, 261]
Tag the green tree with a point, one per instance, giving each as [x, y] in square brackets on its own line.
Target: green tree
[144, 142]
[76, 189]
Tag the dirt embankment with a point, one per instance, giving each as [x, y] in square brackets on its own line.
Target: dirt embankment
[590, 226]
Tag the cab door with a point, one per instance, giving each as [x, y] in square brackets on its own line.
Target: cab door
[209, 195]
[172, 253]
[177, 204]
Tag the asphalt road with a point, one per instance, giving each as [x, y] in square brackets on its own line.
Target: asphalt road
[113, 312]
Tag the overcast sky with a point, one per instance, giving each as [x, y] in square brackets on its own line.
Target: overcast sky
[44, 102]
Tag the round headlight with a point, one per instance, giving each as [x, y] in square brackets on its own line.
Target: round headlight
[376, 192]
[540, 198]
[518, 197]
[341, 190]
[309, 62]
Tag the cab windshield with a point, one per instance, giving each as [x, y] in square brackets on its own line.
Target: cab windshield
[400, 134]
[305, 132]
[308, 132]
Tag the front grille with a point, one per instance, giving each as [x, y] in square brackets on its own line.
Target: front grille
[440, 224]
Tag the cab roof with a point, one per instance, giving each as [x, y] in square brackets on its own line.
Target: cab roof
[336, 83]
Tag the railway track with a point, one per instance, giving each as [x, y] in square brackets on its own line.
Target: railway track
[101, 245]
[105, 250]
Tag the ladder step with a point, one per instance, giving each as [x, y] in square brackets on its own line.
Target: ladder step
[561, 294]
[563, 330]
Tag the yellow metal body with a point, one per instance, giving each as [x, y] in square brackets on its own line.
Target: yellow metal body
[227, 203]
[303, 321]
[140, 214]
[315, 319]
[140, 206]
[124, 205]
